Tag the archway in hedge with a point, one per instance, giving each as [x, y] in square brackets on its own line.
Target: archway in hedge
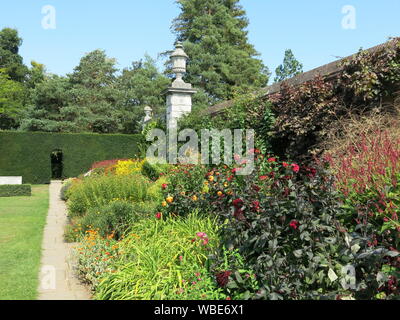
[56, 158]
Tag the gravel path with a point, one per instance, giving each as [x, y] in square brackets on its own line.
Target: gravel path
[57, 280]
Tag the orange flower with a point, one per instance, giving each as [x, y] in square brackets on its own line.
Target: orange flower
[219, 193]
[164, 203]
[170, 199]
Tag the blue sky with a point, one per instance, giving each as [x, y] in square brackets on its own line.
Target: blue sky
[127, 29]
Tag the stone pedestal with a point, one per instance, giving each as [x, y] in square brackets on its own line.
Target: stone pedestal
[179, 103]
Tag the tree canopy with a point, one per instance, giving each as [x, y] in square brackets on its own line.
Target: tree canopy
[290, 67]
[222, 61]
[96, 98]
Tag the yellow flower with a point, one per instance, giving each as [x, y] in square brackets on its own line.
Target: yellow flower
[194, 198]
[211, 178]
[170, 199]
[164, 203]
[206, 183]
[226, 184]
[219, 193]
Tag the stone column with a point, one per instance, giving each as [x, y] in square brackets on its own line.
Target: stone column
[179, 94]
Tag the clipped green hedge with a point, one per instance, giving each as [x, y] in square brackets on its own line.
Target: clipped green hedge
[19, 190]
[27, 154]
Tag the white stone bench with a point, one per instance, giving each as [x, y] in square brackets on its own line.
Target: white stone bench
[10, 180]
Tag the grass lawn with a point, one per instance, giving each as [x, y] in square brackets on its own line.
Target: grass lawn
[22, 220]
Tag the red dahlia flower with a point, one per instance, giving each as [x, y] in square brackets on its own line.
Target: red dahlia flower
[223, 278]
[294, 224]
[256, 205]
[296, 168]
[237, 203]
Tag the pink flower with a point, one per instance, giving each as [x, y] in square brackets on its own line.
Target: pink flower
[296, 168]
[201, 235]
[272, 160]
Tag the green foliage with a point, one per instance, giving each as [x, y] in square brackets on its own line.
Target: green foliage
[287, 223]
[290, 67]
[143, 85]
[216, 40]
[247, 111]
[94, 98]
[164, 259]
[22, 190]
[12, 96]
[305, 115]
[95, 257]
[67, 184]
[111, 219]
[233, 275]
[367, 175]
[9, 56]
[102, 190]
[154, 171]
[368, 77]
[36, 74]
[308, 114]
[27, 154]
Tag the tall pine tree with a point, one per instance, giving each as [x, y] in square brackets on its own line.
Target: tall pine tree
[290, 67]
[222, 62]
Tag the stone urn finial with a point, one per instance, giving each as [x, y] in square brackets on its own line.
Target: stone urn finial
[148, 115]
[179, 59]
[179, 94]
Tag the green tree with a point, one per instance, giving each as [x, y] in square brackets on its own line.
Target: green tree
[94, 98]
[290, 67]
[94, 94]
[36, 74]
[84, 101]
[222, 62]
[12, 97]
[141, 85]
[49, 98]
[10, 60]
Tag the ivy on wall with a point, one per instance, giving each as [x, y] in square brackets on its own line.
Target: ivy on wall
[307, 114]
